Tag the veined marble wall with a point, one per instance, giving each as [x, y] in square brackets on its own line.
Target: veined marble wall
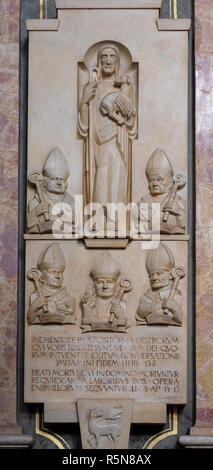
[9, 123]
[204, 215]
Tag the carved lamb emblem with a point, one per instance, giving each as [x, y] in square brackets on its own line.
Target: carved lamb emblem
[104, 427]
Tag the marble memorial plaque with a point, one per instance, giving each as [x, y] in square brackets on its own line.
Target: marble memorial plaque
[106, 322]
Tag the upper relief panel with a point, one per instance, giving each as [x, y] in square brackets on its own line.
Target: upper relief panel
[108, 88]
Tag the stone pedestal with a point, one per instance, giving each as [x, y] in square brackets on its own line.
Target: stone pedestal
[105, 424]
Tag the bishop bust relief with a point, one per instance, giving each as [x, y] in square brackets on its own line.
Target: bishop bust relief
[162, 303]
[103, 304]
[164, 186]
[107, 120]
[50, 302]
[50, 190]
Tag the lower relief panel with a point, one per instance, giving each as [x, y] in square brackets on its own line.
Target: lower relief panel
[106, 324]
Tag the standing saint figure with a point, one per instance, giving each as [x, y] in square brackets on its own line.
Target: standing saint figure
[107, 119]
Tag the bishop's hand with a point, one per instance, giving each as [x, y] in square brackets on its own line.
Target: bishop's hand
[89, 92]
[173, 310]
[171, 208]
[116, 310]
[42, 208]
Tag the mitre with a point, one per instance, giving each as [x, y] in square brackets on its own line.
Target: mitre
[160, 258]
[56, 165]
[105, 267]
[51, 257]
[158, 163]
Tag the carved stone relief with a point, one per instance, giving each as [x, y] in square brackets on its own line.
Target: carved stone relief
[164, 187]
[107, 333]
[104, 427]
[107, 120]
[104, 424]
[50, 302]
[103, 305]
[162, 303]
[111, 344]
[51, 197]
[109, 116]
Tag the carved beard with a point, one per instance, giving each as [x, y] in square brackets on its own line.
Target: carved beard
[108, 70]
[117, 66]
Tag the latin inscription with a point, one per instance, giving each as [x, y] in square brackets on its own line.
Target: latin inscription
[91, 364]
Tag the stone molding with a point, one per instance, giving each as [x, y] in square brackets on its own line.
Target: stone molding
[42, 25]
[168, 24]
[16, 441]
[104, 4]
